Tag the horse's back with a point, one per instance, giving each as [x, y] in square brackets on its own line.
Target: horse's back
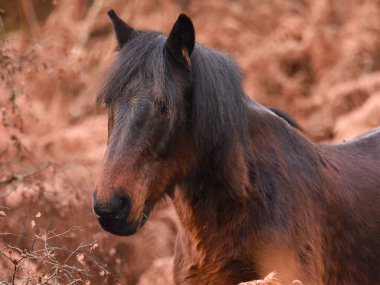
[367, 143]
[359, 160]
[356, 176]
[358, 166]
[362, 151]
[371, 134]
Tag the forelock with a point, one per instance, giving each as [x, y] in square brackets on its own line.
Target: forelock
[141, 60]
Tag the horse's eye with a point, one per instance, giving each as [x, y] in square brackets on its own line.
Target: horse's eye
[162, 109]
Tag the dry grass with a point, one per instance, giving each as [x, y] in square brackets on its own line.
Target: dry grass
[44, 261]
[317, 60]
[270, 279]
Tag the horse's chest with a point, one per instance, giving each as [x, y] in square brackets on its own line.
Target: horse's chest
[215, 273]
[282, 261]
[194, 266]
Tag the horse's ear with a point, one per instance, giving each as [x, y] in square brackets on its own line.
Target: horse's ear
[122, 30]
[181, 39]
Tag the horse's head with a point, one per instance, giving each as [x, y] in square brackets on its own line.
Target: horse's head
[149, 150]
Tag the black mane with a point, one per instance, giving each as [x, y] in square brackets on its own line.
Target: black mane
[219, 111]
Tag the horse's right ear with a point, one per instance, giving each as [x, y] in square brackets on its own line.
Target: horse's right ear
[181, 39]
[122, 30]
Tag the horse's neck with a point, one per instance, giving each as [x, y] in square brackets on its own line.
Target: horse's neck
[213, 204]
[220, 201]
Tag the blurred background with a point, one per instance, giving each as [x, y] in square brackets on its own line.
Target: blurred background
[317, 60]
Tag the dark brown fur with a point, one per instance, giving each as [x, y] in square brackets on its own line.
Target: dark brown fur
[253, 196]
[317, 201]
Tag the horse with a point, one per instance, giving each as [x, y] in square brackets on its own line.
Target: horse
[252, 194]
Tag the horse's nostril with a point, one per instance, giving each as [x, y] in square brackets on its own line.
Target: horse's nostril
[118, 207]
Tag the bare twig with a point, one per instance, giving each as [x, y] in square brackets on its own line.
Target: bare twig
[19, 177]
[57, 261]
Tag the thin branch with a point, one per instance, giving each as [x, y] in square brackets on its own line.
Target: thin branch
[20, 177]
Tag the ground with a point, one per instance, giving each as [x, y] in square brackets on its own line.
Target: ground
[317, 60]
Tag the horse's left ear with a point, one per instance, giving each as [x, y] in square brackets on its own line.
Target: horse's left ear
[181, 39]
[122, 30]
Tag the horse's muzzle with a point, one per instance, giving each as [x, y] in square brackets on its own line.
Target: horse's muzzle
[113, 216]
[119, 227]
[116, 208]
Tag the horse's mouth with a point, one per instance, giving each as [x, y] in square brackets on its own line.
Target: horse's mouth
[122, 227]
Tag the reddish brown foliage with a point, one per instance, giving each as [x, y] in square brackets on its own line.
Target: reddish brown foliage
[317, 60]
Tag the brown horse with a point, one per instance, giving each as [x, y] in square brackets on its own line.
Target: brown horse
[253, 196]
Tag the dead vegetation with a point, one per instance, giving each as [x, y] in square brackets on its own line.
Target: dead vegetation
[317, 60]
[44, 261]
